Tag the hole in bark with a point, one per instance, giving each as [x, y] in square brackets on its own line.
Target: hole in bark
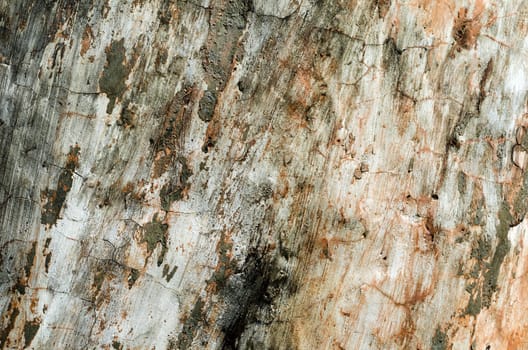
[434, 196]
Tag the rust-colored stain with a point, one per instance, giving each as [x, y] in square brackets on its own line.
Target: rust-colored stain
[86, 41]
[436, 14]
[351, 183]
[466, 30]
[225, 266]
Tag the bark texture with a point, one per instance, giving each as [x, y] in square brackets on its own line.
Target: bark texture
[263, 174]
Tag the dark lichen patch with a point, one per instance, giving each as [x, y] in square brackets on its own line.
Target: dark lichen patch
[117, 345]
[439, 341]
[207, 106]
[246, 293]
[176, 190]
[47, 243]
[221, 50]
[47, 254]
[474, 305]
[225, 266]
[30, 331]
[30, 258]
[115, 73]
[168, 273]
[98, 280]
[54, 199]
[482, 249]
[169, 194]
[20, 286]
[250, 294]
[483, 82]
[453, 140]
[461, 183]
[465, 30]
[127, 118]
[391, 57]
[132, 277]
[47, 261]
[177, 118]
[4, 333]
[191, 324]
[480, 252]
[244, 297]
[155, 232]
[221, 44]
[501, 250]
[161, 59]
[489, 270]
[520, 204]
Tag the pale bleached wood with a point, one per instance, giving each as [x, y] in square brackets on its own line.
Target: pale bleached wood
[263, 174]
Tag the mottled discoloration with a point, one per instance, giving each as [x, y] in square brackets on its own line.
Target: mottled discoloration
[53, 200]
[168, 273]
[207, 105]
[190, 325]
[466, 30]
[30, 331]
[155, 232]
[30, 259]
[309, 175]
[440, 340]
[115, 73]
[132, 278]
[177, 188]
[8, 324]
[501, 250]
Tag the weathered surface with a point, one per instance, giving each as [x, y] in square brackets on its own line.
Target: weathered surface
[263, 174]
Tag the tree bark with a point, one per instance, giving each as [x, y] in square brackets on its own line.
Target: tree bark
[263, 174]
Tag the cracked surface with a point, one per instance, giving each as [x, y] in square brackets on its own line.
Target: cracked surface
[263, 174]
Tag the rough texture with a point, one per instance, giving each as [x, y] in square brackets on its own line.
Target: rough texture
[263, 174]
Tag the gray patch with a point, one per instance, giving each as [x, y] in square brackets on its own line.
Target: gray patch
[207, 106]
[439, 341]
[115, 73]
